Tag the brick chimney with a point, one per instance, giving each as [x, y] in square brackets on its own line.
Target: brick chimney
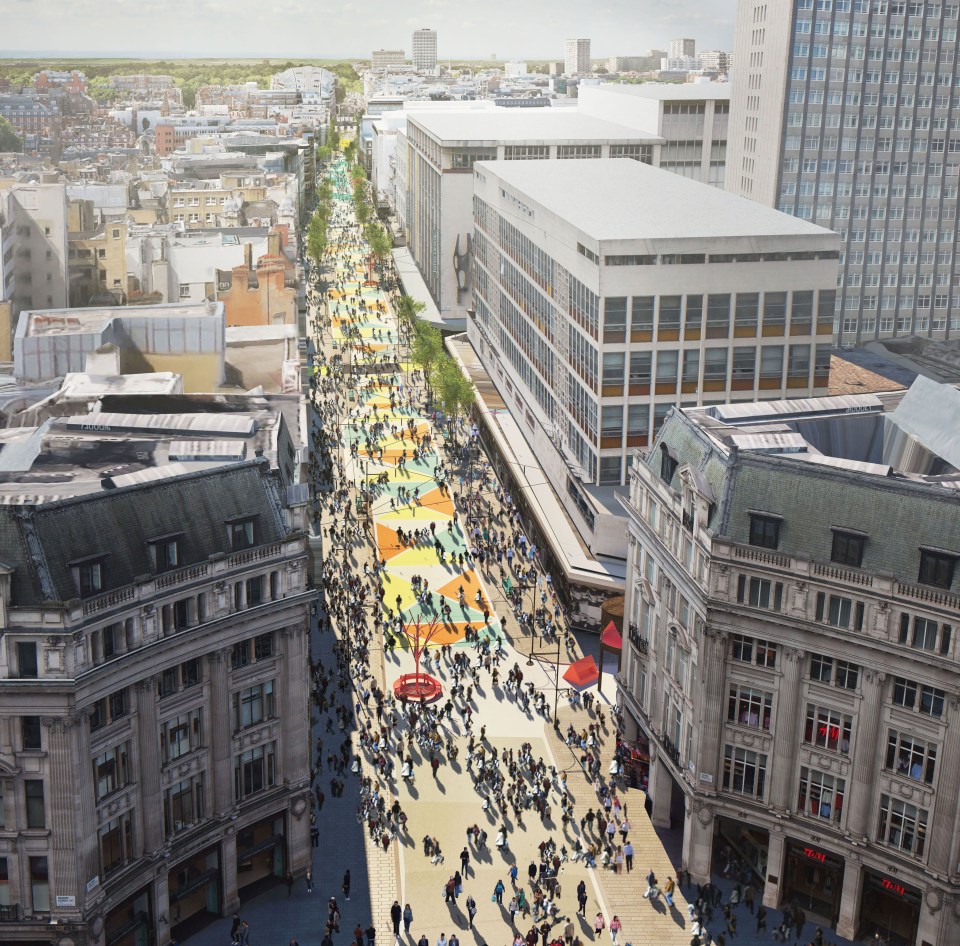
[248, 255]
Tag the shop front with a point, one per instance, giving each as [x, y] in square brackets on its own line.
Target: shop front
[741, 850]
[130, 923]
[890, 908]
[194, 890]
[813, 881]
[636, 762]
[261, 855]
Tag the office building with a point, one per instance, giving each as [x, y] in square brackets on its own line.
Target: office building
[715, 61]
[789, 676]
[576, 57]
[154, 706]
[386, 58]
[844, 114]
[424, 50]
[443, 145]
[606, 292]
[691, 119]
[683, 49]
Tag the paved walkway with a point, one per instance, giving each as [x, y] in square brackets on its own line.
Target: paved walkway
[444, 806]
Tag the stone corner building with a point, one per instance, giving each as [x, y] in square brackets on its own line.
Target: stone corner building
[154, 711]
[790, 682]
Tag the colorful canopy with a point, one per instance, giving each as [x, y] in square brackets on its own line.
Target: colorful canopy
[610, 638]
[583, 673]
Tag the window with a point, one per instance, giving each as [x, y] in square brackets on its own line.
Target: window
[902, 826]
[181, 735]
[925, 634]
[744, 771]
[765, 530]
[240, 655]
[827, 729]
[111, 770]
[759, 592]
[89, 577]
[253, 705]
[263, 647]
[254, 591]
[754, 650]
[165, 553]
[183, 805]
[39, 885]
[240, 533]
[936, 568]
[108, 709]
[30, 732]
[36, 809]
[27, 666]
[821, 795]
[848, 548]
[911, 757]
[839, 611]
[748, 707]
[115, 840]
[254, 771]
[931, 699]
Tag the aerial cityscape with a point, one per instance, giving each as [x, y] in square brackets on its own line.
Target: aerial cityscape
[480, 476]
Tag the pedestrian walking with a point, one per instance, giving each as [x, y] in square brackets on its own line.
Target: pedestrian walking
[408, 919]
[471, 910]
[628, 855]
[651, 885]
[396, 915]
[465, 861]
[235, 930]
[309, 879]
[668, 889]
[599, 923]
[448, 890]
[243, 937]
[345, 886]
[761, 919]
[358, 935]
[288, 880]
[615, 925]
[371, 932]
[749, 896]
[582, 899]
[498, 892]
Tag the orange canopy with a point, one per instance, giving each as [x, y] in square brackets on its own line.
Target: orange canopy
[610, 638]
[582, 673]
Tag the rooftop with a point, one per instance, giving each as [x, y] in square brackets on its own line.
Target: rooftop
[627, 200]
[79, 321]
[506, 125]
[670, 91]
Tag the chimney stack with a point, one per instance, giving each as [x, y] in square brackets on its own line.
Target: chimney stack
[248, 256]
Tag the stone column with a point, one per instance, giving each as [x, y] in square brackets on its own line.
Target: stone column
[868, 756]
[781, 767]
[712, 703]
[850, 896]
[775, 862]
[698, 840]
[62, 801]
[661, 790]
[295, 740]
[941, 836]
[221, 734]
[228, 870]
[148, 758]
[89, 859]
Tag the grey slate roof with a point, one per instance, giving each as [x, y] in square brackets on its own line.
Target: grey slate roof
[40, 541]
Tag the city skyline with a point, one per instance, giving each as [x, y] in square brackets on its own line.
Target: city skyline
[213, 28]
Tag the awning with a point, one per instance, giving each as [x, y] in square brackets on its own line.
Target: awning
[583, 673]
[610, 638]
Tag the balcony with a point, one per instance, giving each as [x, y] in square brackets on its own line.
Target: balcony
[633, 633]
[10, 913]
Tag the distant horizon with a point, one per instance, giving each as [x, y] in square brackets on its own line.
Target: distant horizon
[291, 29]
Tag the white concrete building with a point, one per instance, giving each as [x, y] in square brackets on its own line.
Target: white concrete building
[442, 146]
[424, 46]
[576, 57]
[866, 143]
[606, 292]
[386, 58]
[683, 48]
[691, 118]
[789, 673]
[35, 253]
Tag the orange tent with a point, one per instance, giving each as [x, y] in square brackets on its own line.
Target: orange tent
[582, 673]
[610, 638]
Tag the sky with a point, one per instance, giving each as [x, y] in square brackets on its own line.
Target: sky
[534, 29]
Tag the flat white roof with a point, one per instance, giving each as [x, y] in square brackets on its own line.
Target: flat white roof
[666, 91]
[622, 199]
[508, 125]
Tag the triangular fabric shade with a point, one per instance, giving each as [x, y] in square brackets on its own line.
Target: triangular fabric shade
[582, 673]
[610, 638]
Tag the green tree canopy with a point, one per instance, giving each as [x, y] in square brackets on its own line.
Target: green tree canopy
[379, 240]
[9, 139]
[455, 392]
[427, 348]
